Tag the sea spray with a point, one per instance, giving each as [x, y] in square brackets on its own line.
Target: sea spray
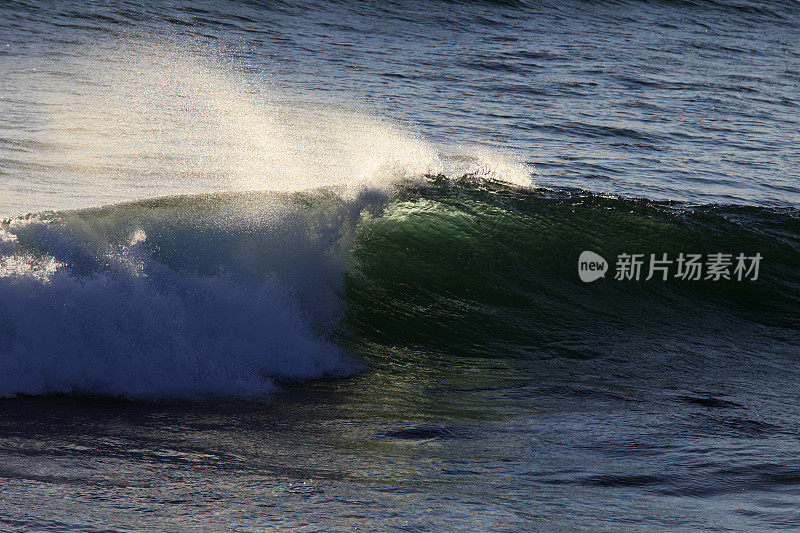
[135, 117]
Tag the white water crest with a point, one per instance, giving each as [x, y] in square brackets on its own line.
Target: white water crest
[181, 298]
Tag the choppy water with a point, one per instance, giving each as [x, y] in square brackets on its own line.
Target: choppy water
[342, 291]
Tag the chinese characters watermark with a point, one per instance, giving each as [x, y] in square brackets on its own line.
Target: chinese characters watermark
[684, 266]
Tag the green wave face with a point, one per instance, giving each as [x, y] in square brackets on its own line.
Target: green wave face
[481, 270]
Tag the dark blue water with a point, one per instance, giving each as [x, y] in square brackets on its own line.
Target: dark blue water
[358, 306]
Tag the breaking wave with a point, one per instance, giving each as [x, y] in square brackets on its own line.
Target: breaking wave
[227, 294]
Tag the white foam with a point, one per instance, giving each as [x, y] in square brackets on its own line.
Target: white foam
[91, 303]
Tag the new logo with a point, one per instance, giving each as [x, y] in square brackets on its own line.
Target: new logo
[591, 266]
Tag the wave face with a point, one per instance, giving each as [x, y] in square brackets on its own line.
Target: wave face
[223, 294]
[484, 270]
[179, 298]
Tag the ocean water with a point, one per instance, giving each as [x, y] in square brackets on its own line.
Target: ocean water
[314, 266]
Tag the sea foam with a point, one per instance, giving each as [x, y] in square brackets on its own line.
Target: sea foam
[177, 299]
